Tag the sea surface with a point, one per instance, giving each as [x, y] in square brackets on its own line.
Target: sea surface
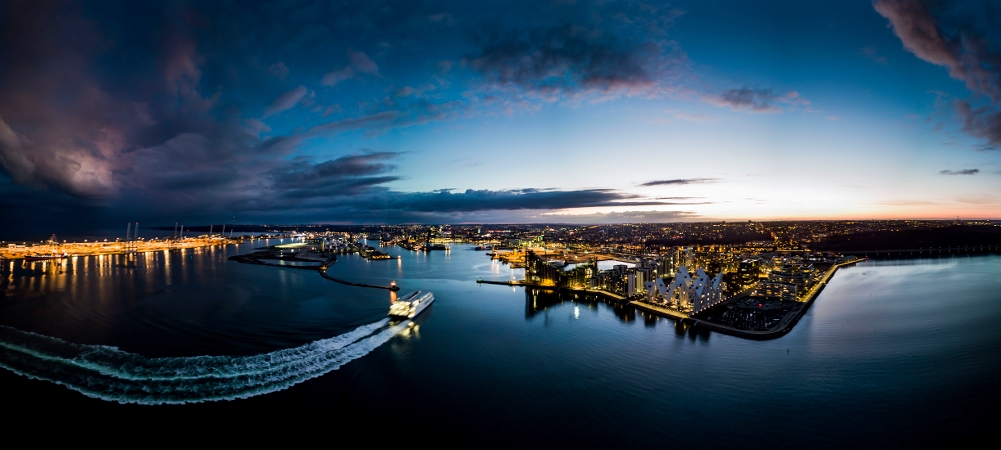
[892, 353]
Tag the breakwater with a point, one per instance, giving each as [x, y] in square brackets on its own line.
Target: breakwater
[323, 273]
[319, 262]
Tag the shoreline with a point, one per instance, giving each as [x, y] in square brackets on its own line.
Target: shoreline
[781, 329]
[76, 249]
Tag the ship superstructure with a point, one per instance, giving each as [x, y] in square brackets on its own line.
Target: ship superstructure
[410, 305]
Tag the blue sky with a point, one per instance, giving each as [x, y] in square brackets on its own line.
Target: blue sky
[394, 112]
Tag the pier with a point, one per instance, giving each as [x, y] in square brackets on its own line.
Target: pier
[507, 283]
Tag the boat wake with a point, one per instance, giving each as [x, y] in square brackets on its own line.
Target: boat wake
[110, 374]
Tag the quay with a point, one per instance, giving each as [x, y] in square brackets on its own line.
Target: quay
[614, 297]
[660, 311]
[96, 248]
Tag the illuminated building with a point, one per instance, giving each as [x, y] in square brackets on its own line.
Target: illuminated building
[688, 294]
[783, 291]
[748, 272]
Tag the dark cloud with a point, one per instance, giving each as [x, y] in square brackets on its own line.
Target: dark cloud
[58, 127]
[31, 214]
[967, 55]
[161, 110]
[916, 28]
[286, 100]
[960, 172]
[983, 121]
[581, 56]
[347, 175]
[619, 217]
[481, 200]
[86, 98]
[953, 39]
[566, 58]
[755, 100]
[679, 181]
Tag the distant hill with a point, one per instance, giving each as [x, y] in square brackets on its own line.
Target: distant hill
[738, 236]
[947, 237]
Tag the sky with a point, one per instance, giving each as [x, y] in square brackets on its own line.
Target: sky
[384, 112]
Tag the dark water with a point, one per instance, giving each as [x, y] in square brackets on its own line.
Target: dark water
[892, 353]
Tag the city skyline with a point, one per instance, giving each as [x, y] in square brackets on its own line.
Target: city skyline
[579, 112]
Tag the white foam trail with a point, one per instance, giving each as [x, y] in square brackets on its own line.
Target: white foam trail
[110, 374]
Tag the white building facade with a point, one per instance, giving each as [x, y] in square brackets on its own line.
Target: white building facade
[685, 293]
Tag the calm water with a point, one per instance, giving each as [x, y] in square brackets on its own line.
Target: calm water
[892, 353]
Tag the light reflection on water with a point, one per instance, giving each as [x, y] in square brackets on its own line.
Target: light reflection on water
[891, 352]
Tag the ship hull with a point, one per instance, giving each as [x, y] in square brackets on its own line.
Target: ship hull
[404, 309]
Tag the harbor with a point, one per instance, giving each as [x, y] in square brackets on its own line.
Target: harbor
[54, 250]
[493, 342]
[303, 257]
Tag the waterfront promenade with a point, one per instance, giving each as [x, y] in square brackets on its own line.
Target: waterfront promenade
[606, 294]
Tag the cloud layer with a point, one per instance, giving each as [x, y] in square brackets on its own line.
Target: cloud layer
[183, 109]
[678, 181]
[960, 172]
[952, 40]
[755, 100]
[594, 52]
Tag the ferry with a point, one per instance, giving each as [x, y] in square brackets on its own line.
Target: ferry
[410, 305]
